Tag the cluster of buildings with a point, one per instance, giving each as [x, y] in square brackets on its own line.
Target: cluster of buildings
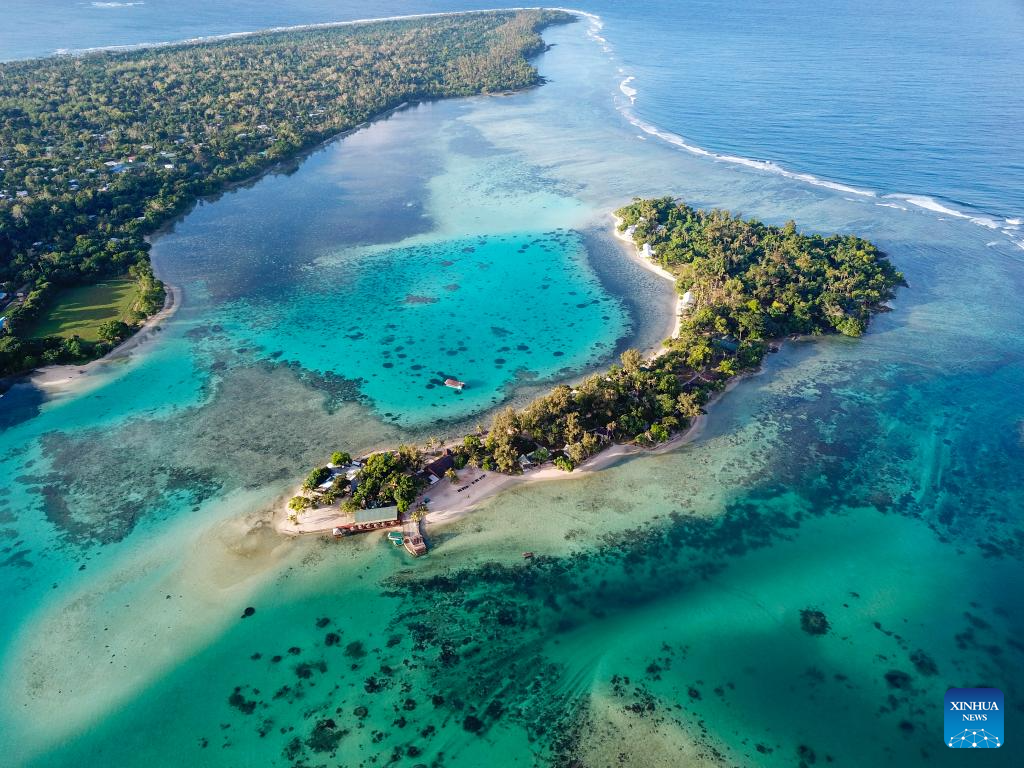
[349, 471]
[382, 517]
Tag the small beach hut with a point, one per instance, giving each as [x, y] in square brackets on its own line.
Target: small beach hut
[646, 251]
[437, 468]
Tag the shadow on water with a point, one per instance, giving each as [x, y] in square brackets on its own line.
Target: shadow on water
[20, 402]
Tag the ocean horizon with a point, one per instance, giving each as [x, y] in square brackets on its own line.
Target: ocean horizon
[874, 482]
[890, 129]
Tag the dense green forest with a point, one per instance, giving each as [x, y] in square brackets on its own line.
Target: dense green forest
[98, 151]
[755, 281]
[743, 284]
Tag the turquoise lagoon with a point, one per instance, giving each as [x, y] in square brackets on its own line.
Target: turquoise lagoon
[491, 311]
[490, 285]
[877, 481]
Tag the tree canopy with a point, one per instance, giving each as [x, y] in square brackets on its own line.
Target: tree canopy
[748, 283]
[755, 281]
[99, 150]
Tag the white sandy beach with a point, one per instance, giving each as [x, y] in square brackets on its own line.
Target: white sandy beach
[447, 502]
[650, 266]
[450, 501]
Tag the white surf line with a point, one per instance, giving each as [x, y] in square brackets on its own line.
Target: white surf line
[931, 204]
[761, 165]
[308, 27]
[627, 90]
[1009, 226]
[630, 92]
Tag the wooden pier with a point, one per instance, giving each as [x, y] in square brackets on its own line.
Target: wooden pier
[412, 539]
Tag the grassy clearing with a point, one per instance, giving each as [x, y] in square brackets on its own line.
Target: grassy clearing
[80, 311]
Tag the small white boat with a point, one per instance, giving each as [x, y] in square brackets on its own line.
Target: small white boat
[455, 384]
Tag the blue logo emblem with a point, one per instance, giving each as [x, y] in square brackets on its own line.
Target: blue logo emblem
[974, 718]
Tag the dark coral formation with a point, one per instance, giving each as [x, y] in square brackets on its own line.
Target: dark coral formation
[814, 622]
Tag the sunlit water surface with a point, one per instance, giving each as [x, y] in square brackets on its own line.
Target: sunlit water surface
[876, 480]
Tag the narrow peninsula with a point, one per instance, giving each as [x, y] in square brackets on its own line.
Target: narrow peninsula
[743, 286]
[100, 150]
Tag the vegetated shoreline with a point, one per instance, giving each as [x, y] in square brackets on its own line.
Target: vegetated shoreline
[311, 27]
[486, 485]
[659, 271]
[745, 287]
[63, 377]
[30, 350]
[55, 379]
[494, 483]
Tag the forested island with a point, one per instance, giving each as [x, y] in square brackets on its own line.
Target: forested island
[100, 150]
[743, 284]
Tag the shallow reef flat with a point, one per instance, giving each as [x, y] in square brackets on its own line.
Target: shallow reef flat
[798, 585]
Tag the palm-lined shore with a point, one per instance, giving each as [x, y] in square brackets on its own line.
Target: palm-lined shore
[744, 285]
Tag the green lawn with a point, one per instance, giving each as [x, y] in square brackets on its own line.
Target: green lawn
[80, 311]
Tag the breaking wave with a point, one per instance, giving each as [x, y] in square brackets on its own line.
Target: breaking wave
[628, 91]
[1010, 226]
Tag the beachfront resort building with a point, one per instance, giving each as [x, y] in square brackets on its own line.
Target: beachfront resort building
[436, 469]
[376, 515]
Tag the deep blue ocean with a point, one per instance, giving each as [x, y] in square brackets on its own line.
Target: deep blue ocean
[918, 98]
[877, 483]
